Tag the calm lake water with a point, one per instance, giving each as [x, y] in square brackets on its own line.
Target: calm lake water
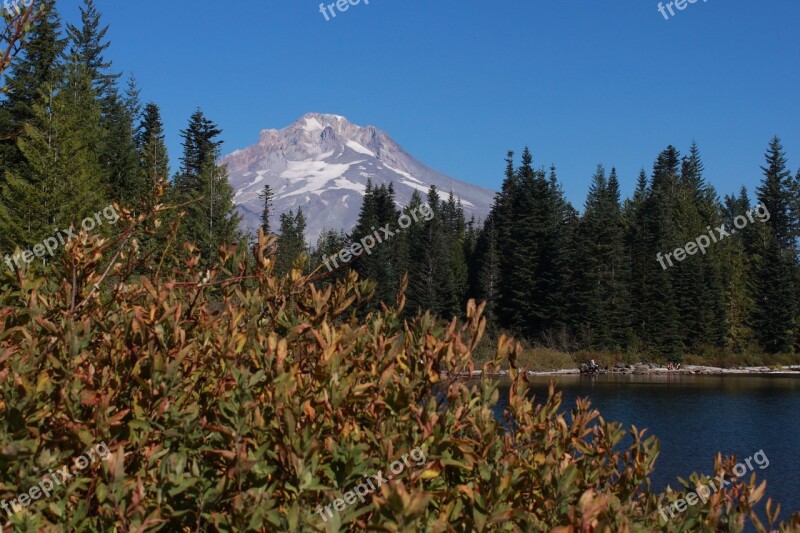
[697, 416]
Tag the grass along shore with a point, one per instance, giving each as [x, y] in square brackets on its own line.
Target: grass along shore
[546, 361]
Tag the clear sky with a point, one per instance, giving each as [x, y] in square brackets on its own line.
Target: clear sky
[459, 82]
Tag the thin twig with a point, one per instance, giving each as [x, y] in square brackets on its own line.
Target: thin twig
[96, 285]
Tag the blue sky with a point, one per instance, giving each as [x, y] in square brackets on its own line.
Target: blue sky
[459, 82]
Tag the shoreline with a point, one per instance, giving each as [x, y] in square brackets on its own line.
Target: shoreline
[643, 369]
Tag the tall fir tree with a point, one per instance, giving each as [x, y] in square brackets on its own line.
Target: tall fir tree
[599, 269]
[531, 215]
[590, 243]
[88, 47]
[438, 276]
[738, 256]
[775, 267]
[696, 281]
[617, 268]
[153, 171]
[661, 325]
[216, 220]
[127, 180]
[485, 267]
[151, 145]
[776, 194]
[454, 236]
[383, 265]
[419, 265]
[119, 112]
[329, 244]
[211, 219]
[31, 73]
[200, 142]
[266, 196]
[59, 185]
[291, 241]
[504, 217]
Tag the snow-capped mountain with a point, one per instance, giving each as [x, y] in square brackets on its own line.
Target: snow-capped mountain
[321, 163]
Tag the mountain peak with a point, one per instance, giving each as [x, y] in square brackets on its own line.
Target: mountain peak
[312, 122]
[321, 164]
[324, 117]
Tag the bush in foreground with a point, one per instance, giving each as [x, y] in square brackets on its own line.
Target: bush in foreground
[236, 400]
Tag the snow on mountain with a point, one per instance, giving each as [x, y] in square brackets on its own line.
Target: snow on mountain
[321, 164]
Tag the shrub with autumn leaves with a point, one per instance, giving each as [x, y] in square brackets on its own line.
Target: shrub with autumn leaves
[233, 399]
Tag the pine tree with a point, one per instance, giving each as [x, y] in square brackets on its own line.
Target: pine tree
[266, 196]
[382, 265]
[774, 295]
[420, 261]
[87, 47]
[776, 195]
[291, 242]
[532, 217]
[662, 325]
[471, 235]
[153, 171]
[199, 144]
[775, 266]
[541, 225]
[132, 100]
[504, 215]
[127, 179]
[590, 245]
[329, 244]
[151, 145]
[59, 186]
[455, 277]
[118, 150]
[485, 267]
[211, 219]
[560, 214]
[521, 233]
[738, 256]
[638, 256]
[649, 222]
[600, 271]
[37, 68]
[794, 212]
[696, 281]
[618, 275]
[437, 246]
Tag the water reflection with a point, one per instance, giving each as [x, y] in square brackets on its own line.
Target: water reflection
[696, 416]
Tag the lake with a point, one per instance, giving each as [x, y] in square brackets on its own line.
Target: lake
[697, 416]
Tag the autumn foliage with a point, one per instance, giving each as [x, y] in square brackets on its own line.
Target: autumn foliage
[233, 399]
